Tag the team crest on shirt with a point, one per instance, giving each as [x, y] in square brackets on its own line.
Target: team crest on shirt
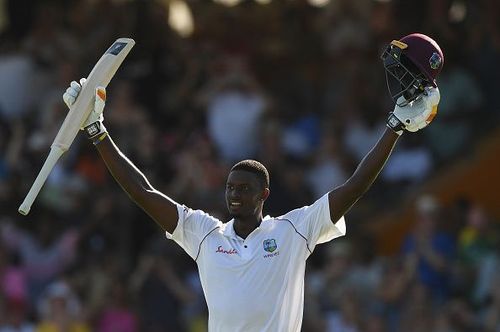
[270, 245]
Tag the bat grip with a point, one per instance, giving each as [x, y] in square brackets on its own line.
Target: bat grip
[54, 155]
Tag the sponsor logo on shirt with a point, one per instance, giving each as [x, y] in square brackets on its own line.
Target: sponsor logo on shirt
[231, 251]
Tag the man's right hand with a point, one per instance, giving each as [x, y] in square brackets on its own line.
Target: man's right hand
[93, 126]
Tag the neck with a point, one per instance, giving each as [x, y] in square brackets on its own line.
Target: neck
[244, 226]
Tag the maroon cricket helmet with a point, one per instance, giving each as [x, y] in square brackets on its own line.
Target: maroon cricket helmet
[411, 64]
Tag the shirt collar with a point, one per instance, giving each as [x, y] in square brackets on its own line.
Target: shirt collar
[228, 230]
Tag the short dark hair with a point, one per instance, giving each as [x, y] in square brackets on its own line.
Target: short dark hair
[254, 167]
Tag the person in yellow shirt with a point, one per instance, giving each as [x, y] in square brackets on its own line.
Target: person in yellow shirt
[59, 310]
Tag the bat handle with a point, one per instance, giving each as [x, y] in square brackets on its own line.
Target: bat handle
[54, 155]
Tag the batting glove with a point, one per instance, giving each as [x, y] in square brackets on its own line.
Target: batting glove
[93, 126]
[417, 114]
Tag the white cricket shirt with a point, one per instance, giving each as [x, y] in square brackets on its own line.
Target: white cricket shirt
[257, 283]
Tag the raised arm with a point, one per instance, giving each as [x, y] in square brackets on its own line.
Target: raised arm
[411, 117]
[158, 206]
[343, 197]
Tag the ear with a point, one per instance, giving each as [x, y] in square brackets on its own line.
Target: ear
[265, 194]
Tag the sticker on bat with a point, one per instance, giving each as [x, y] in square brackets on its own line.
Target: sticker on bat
[116, 48]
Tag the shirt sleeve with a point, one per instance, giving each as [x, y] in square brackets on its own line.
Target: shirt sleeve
[314, 222]
[192, 228]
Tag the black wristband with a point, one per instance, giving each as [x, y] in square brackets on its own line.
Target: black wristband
[395, 124]
[93, 129]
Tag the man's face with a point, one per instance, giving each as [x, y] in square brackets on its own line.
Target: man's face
[244, 193]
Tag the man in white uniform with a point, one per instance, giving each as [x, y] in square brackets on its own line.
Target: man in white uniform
[255, 281]
[252, 268]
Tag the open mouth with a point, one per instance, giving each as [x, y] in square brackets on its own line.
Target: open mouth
[234, 206]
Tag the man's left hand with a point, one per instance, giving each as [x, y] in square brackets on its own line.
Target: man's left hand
[417, 114]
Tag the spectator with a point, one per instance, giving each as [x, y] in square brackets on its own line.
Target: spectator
[15, 318]
[290, 189]
[161, 293]
[490, 315]
[14, 302]
[43, 255]
[416, 310]
[477, 254]
[432, 249]
[347, 318]
[17, 74]
[456, 316]
[397, 276]
[13, 284]
[460, 104]
[362, 132]
[59, 310]
[328, 169]
[234, 104]
[117, 314]
[411, 162]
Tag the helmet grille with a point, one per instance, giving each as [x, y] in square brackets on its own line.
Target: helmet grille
[403, 78]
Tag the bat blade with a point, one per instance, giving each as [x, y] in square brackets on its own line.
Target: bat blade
[101, 75]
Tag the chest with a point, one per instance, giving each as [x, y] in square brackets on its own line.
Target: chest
[256, 269]
[264, 247]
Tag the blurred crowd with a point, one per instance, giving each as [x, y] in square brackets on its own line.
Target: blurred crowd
[297, 87]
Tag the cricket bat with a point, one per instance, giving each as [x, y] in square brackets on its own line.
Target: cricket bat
[101, 75]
